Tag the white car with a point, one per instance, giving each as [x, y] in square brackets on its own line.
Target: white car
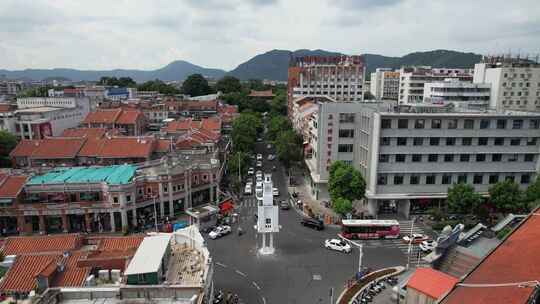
[428, 246]
[275, 191]
[247, 189]
[416, 238]
[269, 146]
[219, 232]
[259, 139]
[259, 156]
[251, 171]
[258, 174]
[259, 164]
[271, 157]
[337, 245]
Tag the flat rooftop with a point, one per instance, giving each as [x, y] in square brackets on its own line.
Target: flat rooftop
[39, 110]
[121, 174]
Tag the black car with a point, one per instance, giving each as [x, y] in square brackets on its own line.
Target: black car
[284, 205]
[312, 223]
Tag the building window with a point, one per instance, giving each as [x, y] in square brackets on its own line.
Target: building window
[517, 124]
[513, 158]
[386, 123]
[414, 179]
[382, 179]
[478, 179]
[482, 141]
[430, 179]
[464, 157]
[531, 141]
[450, 141]
[128, 198]
[403, 123]
[346, 133]
[115, 199]
[400, 158]
[480, 157]
[346, 117]
[468, 124]
[385, 141]
[534, 123]
[434, 141]
[452, 123]
[496, 157]
[446, 179]
[515, 141]
[402, 141]
[525, 179]
[499, 141]
[462, 179]
[417, 158]
[418, 141]
[484, 123]
[419, 124]
[433, 158]
[449, 157]
[435, 123]
[165, 189]
[501, 124]
[466, 141]
[383, 158]
[493, 178]
[345, 147]
[528, 157]
[510, 178]
[398, 179]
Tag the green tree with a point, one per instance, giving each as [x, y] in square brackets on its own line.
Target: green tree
[278, 105]
[244, 131]
[123, 82]
[345, 182]
[8, 142]
[196, 85]
[277, 125]
[533, 191]
[238, 160]
[159, 86]
[255, 84]
[463, 199]
[342, 206]
[506, 196]
[228, 84]
[288, 147]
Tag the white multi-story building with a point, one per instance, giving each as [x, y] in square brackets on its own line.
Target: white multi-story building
[385, 84]
[460, 93]
[9, 88]
[515, 83]
[412, 80]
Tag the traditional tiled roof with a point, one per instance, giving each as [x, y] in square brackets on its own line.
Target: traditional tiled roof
[267, 93]
[11, 185]
[211, 124]
[129, 117]
[515, 260]
[84, 132]
[431, 282]
[107, 116]
[6, 107]
[127, 147]
[49, 148]
[42, 244]
[120, 243]
[163, 145]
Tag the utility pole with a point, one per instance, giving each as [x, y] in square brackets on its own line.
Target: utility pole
[155, 214]
[239, 177]
[360, 256]
[410, 245]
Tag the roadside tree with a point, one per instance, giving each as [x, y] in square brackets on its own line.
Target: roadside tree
[463, 199]
[506, 196]
[345, 182]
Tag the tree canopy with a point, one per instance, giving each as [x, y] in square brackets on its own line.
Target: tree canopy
[463, 199]
[277, 125]
[288, 147]
[196, 85]
[8, 142]
[244, 131]
[159, 86]
[228, 84]
[506, 196]
[278, 106]
[123, 82]
[342, 205]
[533, 191]
[345, 182]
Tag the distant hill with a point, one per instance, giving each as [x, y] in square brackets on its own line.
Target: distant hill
[177, 70]
[273, 64]
[270, 65]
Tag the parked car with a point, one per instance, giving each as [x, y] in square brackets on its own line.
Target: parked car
[259, 156]
[259, 164]
[275, 191]
[284, 205]
[259, 139]
[259, 175]
[251, 171]
[271, 157]
[247, 189]
[415, 238]
[220, 231]
[269, 146]
[312, 223]
[337, 245]
[428, 245]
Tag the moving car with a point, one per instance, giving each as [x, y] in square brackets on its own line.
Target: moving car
[275, 191]
[428, 245]
[259, 164]
[284, 205]
[220, 231]
[312, 223]
[259, 156]
[271, 157]
[415, 238]
[247, 189]
[259, 175]
[337, 245]
[259, 139]
[251, 171]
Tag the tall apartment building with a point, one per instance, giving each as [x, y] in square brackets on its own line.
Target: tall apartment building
[460, 93]
[340, 78]
[515, 82]
[10, 88]
[412, 80]
[385, 84]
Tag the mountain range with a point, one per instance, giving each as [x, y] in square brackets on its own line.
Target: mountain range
[270, 65]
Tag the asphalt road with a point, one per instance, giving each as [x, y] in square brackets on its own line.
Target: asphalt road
[301, 270]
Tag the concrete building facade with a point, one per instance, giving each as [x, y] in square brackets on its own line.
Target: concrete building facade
[461, 93]
[385, 84]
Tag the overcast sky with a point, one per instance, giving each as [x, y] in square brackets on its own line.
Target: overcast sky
[223, 33]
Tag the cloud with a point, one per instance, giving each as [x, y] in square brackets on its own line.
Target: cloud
[104, 34]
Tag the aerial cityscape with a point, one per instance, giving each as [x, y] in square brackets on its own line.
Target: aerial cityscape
[342, 152]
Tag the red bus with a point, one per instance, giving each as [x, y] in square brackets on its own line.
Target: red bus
[369, 229]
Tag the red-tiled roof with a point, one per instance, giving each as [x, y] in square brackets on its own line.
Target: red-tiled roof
[84, 132]
[267, 93]
[129, 117]
[514, 260]
[211, 123]
[91, 147]
[127, 147]
[41, 244]
[54, 147]
[120, 243]
[73, 275]
[103, 116]
[163, 145]
[11, 185]
[6, 107]
[431, 282]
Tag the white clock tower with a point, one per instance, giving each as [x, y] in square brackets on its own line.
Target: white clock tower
[268, 216]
